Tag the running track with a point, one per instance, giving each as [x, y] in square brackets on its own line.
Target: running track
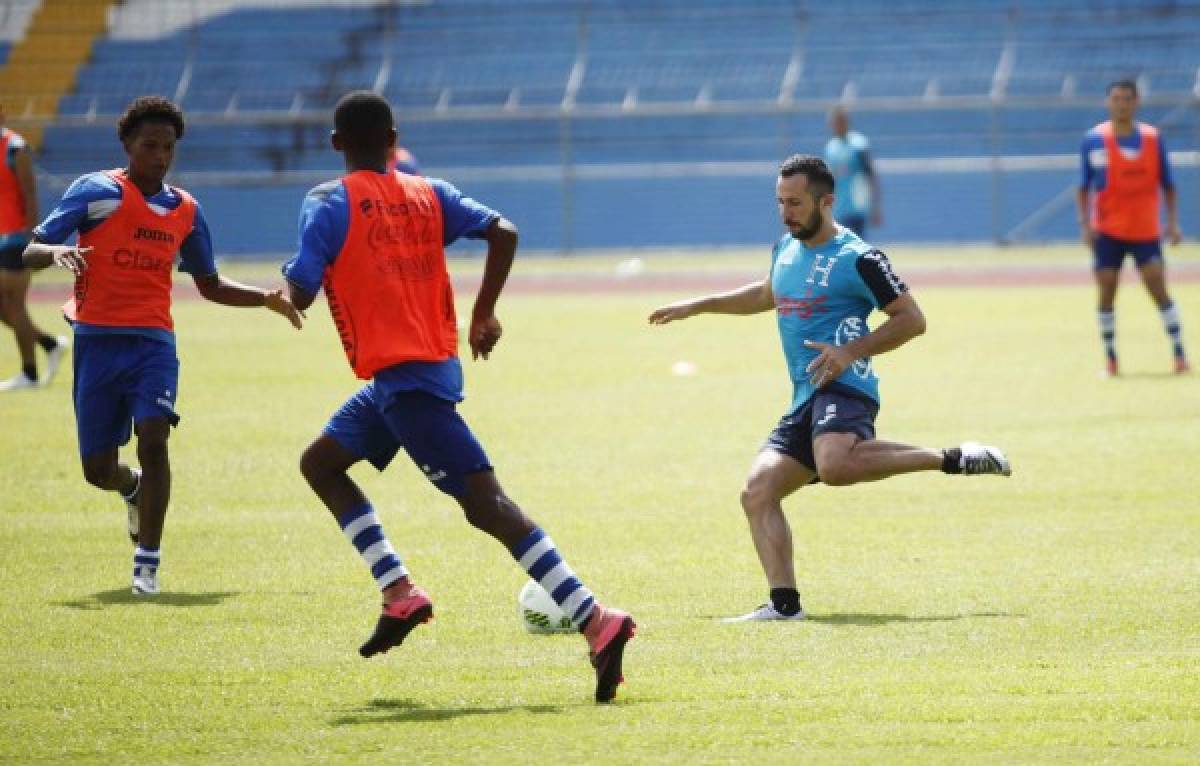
[607, 282]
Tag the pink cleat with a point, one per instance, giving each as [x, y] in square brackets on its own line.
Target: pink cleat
[1181, 365]
[607, 632]
[397, 621]
[1110, 368]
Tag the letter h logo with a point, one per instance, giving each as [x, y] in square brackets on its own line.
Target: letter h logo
[823, 271]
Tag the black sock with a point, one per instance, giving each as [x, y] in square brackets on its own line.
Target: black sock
[30, 371]
[48, 342]
[951, 459]
[785, 600]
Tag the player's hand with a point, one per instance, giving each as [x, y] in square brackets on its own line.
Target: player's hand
[1174, 235]
[276, 301]
[73, 259]
[1086, 234]
[483, 336]
[831, 362]
[671, 312]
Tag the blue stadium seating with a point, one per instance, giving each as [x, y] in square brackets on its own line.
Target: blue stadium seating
[479, 84]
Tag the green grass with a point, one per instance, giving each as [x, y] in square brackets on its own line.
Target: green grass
[1050, 618]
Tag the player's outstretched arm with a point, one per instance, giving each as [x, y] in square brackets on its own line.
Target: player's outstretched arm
[227, 292]
[749, 299]
[485, 329]
[39, 255]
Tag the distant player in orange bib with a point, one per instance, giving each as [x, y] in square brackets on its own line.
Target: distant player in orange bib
[131, 227]
[375, 240]
[1125, 172]
[18, 214]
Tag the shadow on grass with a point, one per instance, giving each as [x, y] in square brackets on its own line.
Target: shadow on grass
[411, 711]
[867, 620]
[125, 596]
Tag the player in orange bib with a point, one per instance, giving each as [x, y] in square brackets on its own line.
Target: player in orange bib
[1125, 172]
[131, 228]
[18, 214]
[375, 241]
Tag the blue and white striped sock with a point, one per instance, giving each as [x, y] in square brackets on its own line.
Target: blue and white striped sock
[146, 558]
[365, 533]
[1174, 327]
[538, 556]
[1108, 331]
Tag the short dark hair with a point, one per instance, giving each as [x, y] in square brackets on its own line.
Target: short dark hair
[1128, 83]
[150, 109]
[364, 120]
[820, 180]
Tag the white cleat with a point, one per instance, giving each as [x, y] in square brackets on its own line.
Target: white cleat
[979, 459]
[145, 580]
[765, 613]
[17, 383]
[54, 358]
[131, 508]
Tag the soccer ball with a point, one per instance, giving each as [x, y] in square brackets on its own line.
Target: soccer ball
[538, 613]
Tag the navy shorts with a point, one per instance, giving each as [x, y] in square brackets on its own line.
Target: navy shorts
[121, 380]
[833, 409]
[1109, 253]
[429, 429]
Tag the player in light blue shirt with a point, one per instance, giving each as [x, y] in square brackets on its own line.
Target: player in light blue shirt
[848, 155]
[824, 282]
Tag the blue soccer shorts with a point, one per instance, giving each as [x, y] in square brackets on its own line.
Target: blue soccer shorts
[121, 380]
[1109, 253]
[374, 427]
[832, 409]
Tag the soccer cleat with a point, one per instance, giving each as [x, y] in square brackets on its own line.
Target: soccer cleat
[1110, 368]
[54, 358]
[397, 621]
[766, 613]
[21, 381]
[145, 580]
[607, 632]
[979, 459]
[1181, 365]
[131, 507]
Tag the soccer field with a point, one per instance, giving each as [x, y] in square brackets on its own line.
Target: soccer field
[1051, 617]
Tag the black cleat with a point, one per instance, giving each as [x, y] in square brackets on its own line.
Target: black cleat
[397, 621]
[614, 632]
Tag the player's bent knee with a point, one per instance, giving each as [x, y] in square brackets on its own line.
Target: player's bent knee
[758, 495]
[838, 473]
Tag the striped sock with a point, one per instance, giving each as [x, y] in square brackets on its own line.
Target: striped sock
[146, 558]
[1174, 328]
[363, 530]
[1108, 331]
[538, 556]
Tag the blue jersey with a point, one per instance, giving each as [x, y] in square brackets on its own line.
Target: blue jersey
[89, 201]
[1094, 159]
[849, 160]
[324, 222]
[825, 294]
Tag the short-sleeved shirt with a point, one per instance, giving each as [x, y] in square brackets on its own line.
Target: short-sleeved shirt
[1094, 159]
[849, 160]
[826, 294]
[324, 222]
[89, 201]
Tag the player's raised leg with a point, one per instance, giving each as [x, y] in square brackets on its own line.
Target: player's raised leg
[324, 465]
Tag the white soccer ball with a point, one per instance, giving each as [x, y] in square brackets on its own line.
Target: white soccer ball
[538, 613]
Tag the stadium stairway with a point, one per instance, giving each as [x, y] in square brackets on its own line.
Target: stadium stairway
[43, 65]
